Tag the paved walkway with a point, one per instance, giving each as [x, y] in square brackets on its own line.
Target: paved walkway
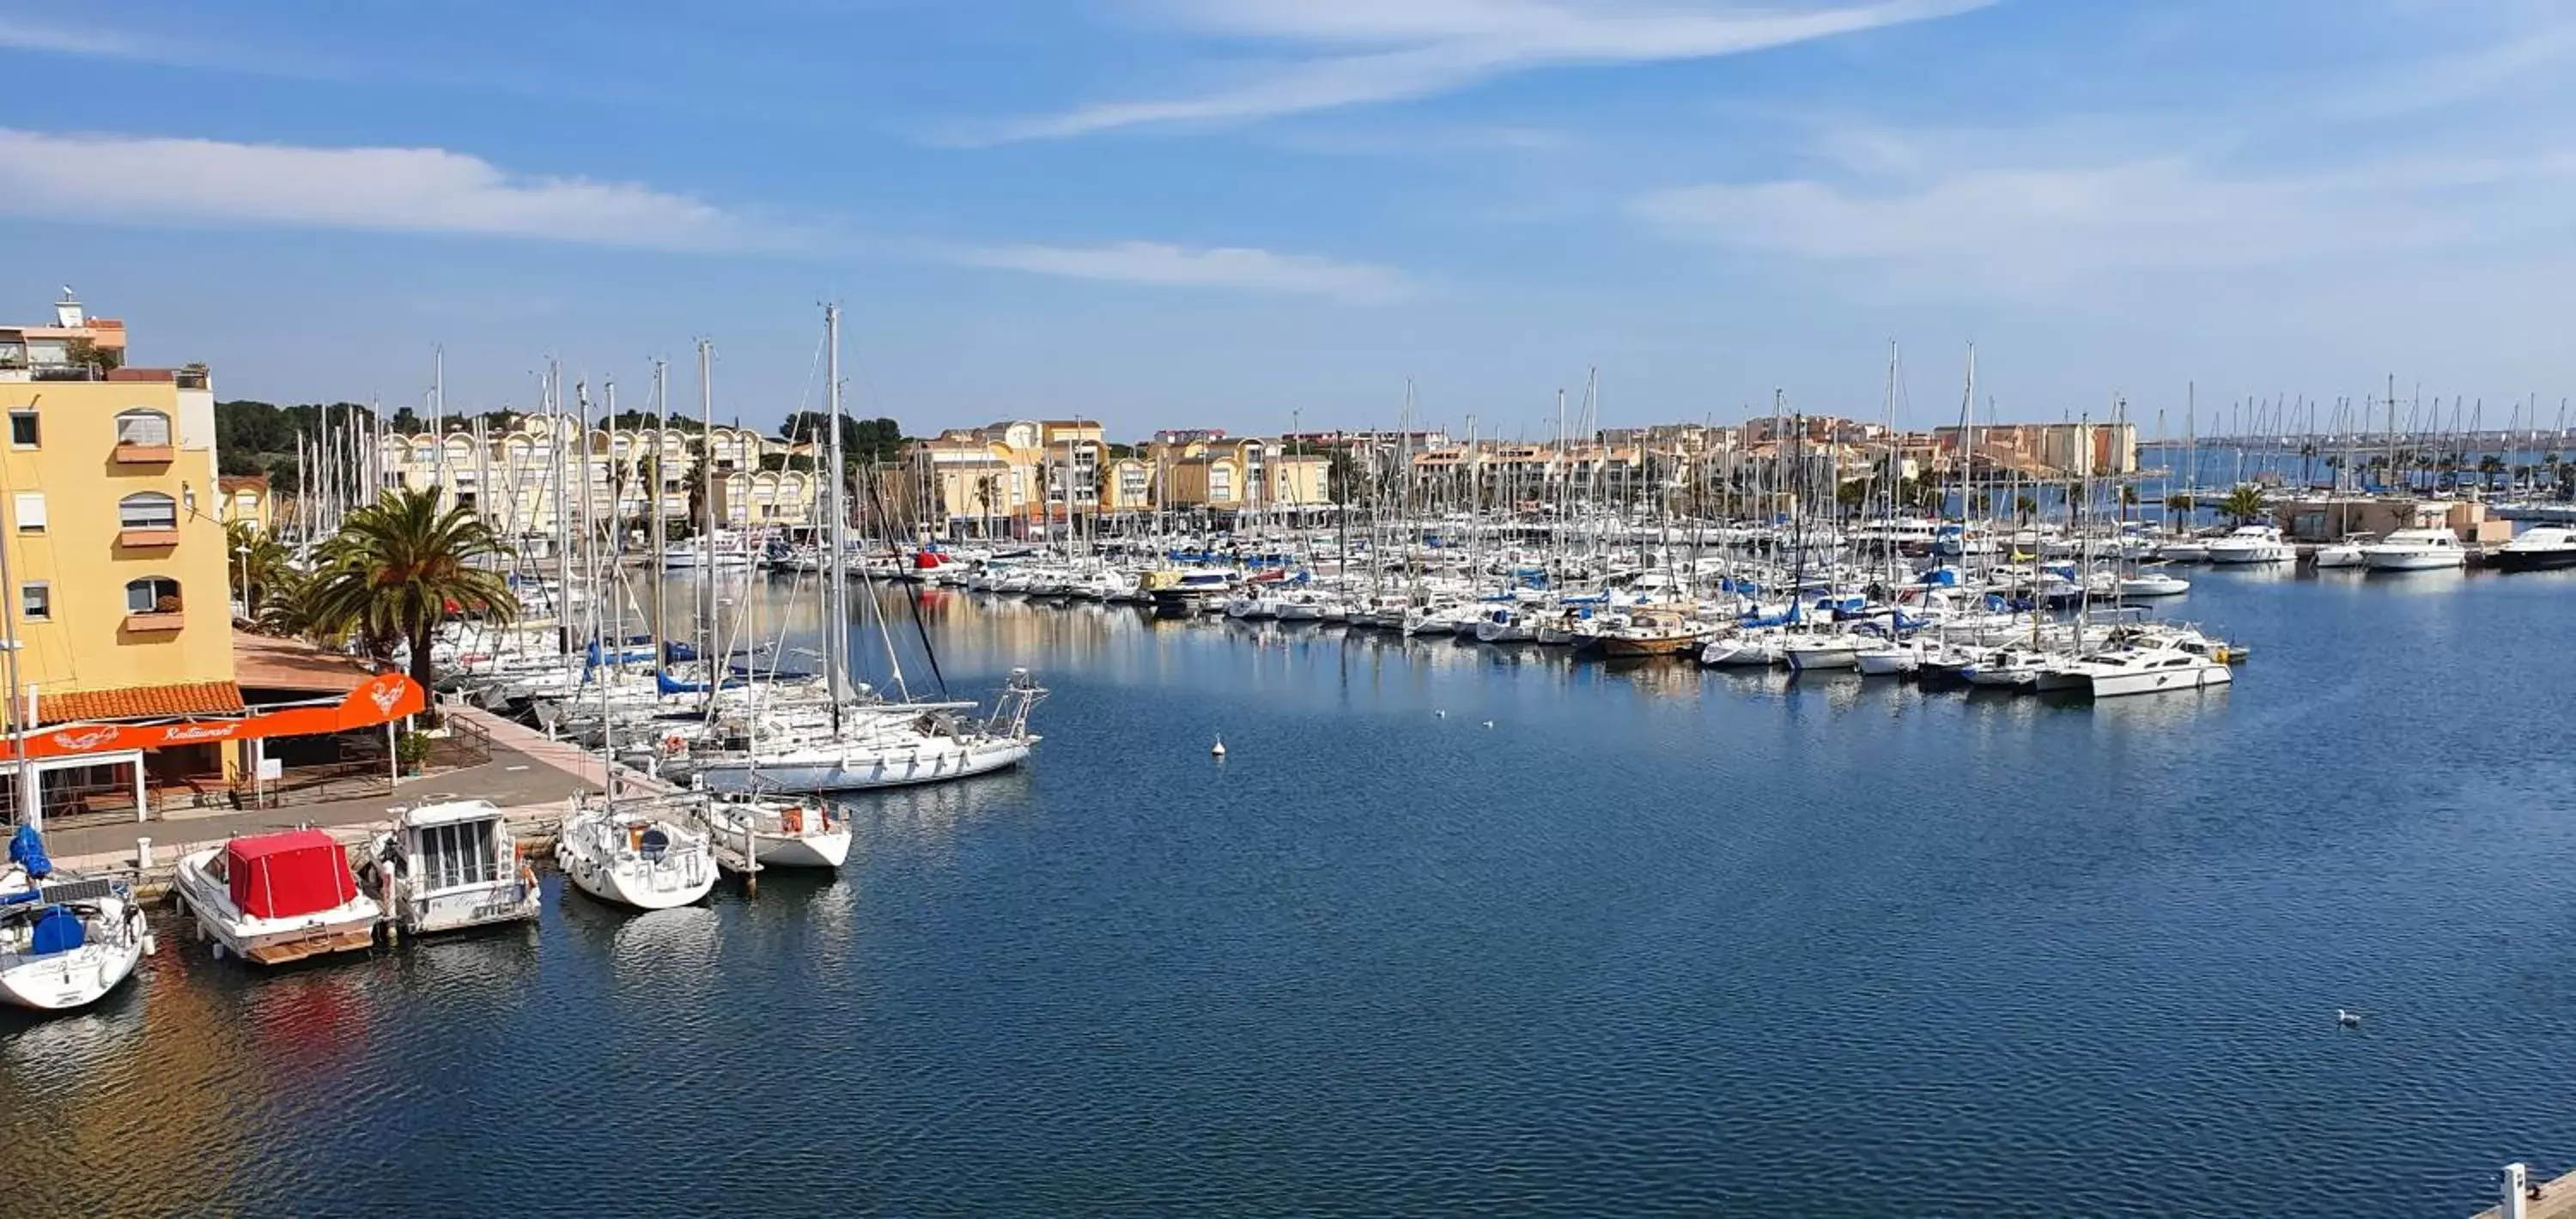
[527, 772]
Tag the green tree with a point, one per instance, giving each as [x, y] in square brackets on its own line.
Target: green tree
[398, 567]
[1849, 496]
[863, 441]
[2025, 507]
[2182, 502]
[2243, 504]
[256, 564]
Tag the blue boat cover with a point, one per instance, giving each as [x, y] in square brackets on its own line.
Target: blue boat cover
[27, 850]
[57, 930]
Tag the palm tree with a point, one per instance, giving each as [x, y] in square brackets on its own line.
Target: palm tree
[398, 567]
[2181, 503]
[2243, 504]
[256, 564]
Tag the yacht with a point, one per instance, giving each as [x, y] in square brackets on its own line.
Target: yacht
[933, 746]
[449, 864]
[2415, 550]
[2345, 553]
[275, 898]
[2252, 544]
[2149, 669]
[2183, 550]
[2539, 548]
[640, 851]
[65, 941]
[2153, 582]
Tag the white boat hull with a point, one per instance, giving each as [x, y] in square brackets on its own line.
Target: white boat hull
[2431, 560]
[1808, 659]
[644, 888]
[347, 927]
[871, 769]
[114, 940]
[2159, 680]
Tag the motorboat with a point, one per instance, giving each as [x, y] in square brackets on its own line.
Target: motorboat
[2415, 550]
[641, 851]
[448, 864]
[2345, 553]
[2140, 670]
[2252, 544]
[2183, 550]
[2539, 548]
[66, 941]
[776, 833]
[275, 898]
[2148, 582]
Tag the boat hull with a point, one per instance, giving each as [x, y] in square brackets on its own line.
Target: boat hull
[2107, 685]
[1674, 645]
[2535, 560]
[348, 927]
[63, 981]
[903, 770]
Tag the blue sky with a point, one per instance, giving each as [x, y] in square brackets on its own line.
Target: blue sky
[1243, 213]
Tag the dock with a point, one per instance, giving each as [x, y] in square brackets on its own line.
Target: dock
[532, 779]
[2521, 1200]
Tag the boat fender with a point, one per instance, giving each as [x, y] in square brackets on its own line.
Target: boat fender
[674, 744]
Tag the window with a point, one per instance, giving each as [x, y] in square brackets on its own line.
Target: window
[147, 510]
[31, 512]
[142, 427]
[1220, 483]
[22, 429]
[36, 601]
[152, 595]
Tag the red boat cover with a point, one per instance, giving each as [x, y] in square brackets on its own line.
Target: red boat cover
[284, 875]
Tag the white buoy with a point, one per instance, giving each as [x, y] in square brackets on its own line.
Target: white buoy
[1489, 723]
[1217, 750]
[2350, 1020]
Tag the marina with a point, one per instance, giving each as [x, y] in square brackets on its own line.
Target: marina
[1731, 928]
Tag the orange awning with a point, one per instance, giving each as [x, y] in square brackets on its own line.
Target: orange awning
[379, 700]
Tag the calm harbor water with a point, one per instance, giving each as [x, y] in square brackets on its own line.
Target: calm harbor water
[1658, 941]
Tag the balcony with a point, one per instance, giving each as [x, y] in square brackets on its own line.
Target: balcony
[147, 539]
[129, 453]
[157, 622]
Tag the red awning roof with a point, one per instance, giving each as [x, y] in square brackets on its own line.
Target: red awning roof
[140, 702]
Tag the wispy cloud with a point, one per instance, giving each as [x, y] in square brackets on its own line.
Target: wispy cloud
[22, 32]
[416, 190]
[1148, 262]
[1385, 52]
[2051, 228]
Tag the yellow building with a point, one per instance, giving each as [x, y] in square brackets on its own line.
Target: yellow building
[117, 599]
[1013, 476]
[244, 498]
[1241, 476]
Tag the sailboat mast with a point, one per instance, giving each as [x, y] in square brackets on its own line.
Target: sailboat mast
[836, 584]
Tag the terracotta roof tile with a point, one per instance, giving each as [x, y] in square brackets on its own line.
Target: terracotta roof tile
[140, 702]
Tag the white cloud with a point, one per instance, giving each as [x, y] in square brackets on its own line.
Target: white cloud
[1395, 51]
[22, 33]
[1148, 262]
[157, 180]
[2044, 228]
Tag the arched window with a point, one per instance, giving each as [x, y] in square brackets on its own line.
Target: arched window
[152, 595]
[143, 427]
[147, 510]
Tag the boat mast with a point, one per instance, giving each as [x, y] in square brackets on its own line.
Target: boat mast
[836, 585]
[705, 475]
[653, 497]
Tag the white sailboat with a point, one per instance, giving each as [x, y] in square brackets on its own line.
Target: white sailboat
[641, 851]
[66, 941]
[779, 833]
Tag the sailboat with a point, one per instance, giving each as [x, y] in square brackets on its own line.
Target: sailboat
[65, 941]
[642, 851]
[884, 744]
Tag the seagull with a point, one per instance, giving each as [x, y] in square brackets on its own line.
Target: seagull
[1442, 714]
[2350, 1020]
[1489, 723]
